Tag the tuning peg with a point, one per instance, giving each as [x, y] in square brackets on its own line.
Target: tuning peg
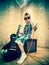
[19, 25]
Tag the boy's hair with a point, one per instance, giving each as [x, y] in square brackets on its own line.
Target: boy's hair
[27, 14]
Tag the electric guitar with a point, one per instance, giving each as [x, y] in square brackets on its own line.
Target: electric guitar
[11, 50]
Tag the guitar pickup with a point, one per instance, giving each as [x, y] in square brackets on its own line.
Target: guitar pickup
[13, 49]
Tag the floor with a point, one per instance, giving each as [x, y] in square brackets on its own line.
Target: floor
[41, 57]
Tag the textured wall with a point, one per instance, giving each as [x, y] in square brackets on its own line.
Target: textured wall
[11, 17]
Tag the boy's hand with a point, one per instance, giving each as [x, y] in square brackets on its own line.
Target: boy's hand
[20, 33]
[35, 27]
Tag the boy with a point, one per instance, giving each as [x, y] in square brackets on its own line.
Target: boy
[26, 35]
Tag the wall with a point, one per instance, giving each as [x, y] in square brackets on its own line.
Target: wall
[12, 17]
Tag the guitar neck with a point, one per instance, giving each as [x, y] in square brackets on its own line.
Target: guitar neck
[17, 33]
[18, 30]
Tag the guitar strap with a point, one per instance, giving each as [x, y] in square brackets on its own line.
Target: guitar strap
[29, 46]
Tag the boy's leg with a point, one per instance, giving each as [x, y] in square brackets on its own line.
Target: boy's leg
[23, 55]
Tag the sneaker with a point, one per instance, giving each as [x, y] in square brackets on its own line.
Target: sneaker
[22, 58]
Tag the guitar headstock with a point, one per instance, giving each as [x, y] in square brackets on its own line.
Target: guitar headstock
[19, 25]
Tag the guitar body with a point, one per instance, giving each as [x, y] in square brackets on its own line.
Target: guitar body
[11, 50]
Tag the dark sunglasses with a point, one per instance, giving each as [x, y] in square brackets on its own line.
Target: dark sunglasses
[26, 18]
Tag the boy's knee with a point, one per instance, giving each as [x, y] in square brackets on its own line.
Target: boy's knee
[19, 43]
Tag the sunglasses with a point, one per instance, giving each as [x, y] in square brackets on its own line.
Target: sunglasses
[26, 18]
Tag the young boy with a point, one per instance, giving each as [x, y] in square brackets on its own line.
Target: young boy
[26, 35]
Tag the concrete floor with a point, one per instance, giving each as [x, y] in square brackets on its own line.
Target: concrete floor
[41, 57]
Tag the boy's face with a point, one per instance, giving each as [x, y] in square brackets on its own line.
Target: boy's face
[27, 19]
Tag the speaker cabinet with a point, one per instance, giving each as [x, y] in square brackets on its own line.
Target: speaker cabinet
[30, 45]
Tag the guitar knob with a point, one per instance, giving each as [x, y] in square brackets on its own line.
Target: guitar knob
[6, 51]
[3, 51]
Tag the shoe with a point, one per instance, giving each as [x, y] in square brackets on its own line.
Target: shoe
[22, 58]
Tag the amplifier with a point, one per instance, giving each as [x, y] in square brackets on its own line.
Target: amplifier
[30, 45]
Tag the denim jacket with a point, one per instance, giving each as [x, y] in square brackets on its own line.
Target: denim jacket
[28, 30]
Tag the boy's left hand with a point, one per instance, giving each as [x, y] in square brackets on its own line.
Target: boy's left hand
[35, 27]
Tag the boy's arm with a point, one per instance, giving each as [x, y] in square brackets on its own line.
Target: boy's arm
[29, 31]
